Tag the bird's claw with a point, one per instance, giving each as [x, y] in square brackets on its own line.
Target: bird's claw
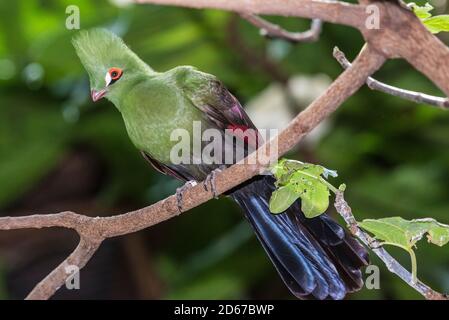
[210, 180]
[180, 193]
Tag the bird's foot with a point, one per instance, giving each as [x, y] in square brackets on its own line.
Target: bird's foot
[210, 180]
[180, 193]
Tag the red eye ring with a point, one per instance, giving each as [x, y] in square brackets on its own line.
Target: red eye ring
[115, 73]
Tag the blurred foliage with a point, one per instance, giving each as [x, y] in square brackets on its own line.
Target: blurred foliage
[3, 291]
[392, 154]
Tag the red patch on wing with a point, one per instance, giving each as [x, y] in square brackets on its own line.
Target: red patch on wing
[248, 135]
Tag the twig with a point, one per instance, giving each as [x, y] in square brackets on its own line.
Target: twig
[271, 30]
[392, 264]
[413, 96]
[94, 230]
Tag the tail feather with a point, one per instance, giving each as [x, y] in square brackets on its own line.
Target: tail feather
[316, 258]
[345, 252]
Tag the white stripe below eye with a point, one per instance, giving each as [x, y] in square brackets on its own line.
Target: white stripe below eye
[107, 78]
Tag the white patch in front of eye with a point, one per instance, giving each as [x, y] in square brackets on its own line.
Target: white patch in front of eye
[107, 78]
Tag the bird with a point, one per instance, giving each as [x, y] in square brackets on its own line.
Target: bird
[315, 257]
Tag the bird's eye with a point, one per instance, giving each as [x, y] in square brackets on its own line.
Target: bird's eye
[113, 75]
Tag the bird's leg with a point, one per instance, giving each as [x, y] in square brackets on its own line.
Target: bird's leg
[210, 179]
[180, 193]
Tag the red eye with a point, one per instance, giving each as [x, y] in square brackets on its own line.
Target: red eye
[115, 73]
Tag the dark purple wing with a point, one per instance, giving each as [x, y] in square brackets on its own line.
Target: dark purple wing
[220, 107]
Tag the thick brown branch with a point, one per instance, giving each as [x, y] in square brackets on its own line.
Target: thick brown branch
[414, 96]
[392, 264]
[268, 29]
[94, 230]
[330, 11]
[401, 34]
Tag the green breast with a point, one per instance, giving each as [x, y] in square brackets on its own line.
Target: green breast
[152, 111]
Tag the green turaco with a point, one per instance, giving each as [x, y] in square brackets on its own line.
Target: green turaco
[315, 257]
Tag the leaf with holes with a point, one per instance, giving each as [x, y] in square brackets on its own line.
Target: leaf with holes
[403, 233]
[313, 192]
[295, 180]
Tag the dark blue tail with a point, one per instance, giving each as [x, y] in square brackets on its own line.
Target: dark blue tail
[315, 257]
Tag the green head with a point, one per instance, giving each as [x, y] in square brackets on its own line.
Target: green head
[112, 67]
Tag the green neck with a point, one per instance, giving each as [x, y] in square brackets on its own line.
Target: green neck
[120, 90]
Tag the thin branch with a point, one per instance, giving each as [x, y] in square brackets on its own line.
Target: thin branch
[94, 230]
[66, 219]
[392, 264]
[413, 96]
[271, 30]
[79, 258]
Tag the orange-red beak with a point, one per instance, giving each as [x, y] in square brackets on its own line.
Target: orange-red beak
[97, 95]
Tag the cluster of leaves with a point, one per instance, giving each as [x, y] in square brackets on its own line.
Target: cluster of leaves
[294, 180]
[434, 24]
[298, 180]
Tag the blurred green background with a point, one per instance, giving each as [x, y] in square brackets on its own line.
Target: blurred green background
[59, 151]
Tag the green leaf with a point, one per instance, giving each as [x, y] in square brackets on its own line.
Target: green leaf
[316, 202]
[392, 231]
[437, 233]
[434, 24]
[295, 180]
[282, 199]
[421, 12]
[312, 191]
[403, 233]
[437, 24]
